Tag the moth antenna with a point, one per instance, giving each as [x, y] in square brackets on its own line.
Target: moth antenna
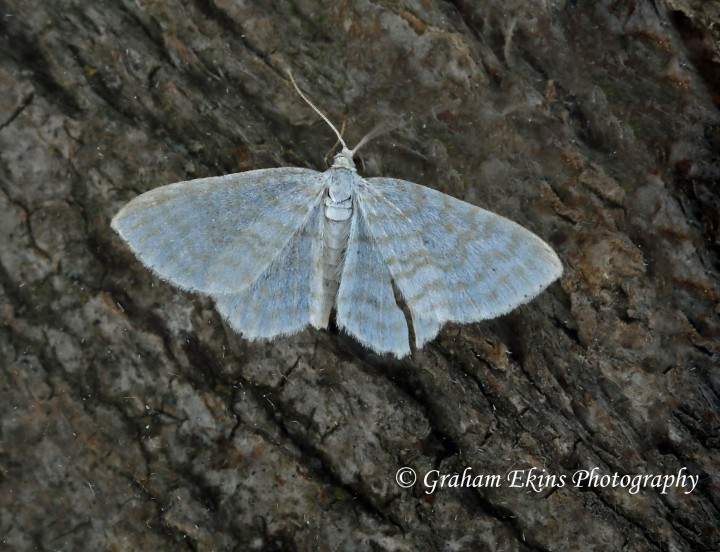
[332, 150]
[382, 128]
[324, 118]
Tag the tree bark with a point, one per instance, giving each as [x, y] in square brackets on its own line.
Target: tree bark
[133, 417]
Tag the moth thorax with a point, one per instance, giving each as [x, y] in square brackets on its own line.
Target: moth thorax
[338, 211]
[338, 199]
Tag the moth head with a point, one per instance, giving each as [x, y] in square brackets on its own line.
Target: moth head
[344, 159]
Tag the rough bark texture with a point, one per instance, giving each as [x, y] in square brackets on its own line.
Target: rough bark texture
[133, 418]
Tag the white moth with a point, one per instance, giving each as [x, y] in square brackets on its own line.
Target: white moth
[278, 249]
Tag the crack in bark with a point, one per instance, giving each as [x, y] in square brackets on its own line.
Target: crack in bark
[24, 104]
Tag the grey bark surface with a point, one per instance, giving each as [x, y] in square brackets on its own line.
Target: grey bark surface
[133, 418]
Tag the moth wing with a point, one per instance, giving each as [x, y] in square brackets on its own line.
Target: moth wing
[286, 297]
[450, 260]
[217, 235]
[366, 306]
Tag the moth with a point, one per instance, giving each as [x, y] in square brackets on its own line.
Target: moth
[280, 249]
